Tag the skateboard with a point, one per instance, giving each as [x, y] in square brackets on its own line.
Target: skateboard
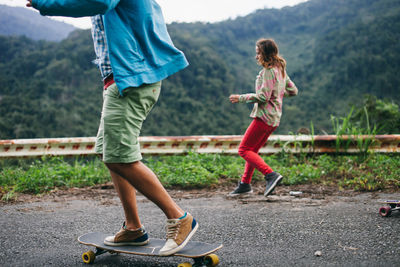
[200, 252]
[391, 205]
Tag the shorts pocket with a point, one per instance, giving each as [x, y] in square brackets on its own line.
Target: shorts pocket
[112, 91]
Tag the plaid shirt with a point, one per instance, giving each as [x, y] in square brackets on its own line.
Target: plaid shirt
[270, 89]
[100, 46]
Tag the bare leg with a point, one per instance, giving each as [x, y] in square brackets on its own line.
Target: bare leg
[139, 176]
[127, 195]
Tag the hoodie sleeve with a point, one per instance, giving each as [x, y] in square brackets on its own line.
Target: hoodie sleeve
[74, 8]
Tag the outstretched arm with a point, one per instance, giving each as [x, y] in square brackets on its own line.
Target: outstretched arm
[263, 91]
[290, 89]
[72, 8]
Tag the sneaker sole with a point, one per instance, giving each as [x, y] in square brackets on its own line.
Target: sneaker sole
[119, 244]
[173, 251]
[240, 194]
[266, 193]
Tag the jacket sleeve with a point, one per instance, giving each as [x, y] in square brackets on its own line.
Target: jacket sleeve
[263, 90]
[290, 89]
[73, 8]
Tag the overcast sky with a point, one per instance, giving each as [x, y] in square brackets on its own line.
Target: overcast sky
[192, 10]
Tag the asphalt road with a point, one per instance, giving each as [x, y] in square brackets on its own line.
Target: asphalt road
[279, 231]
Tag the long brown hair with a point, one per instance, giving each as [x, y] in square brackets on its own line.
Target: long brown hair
[268, 55]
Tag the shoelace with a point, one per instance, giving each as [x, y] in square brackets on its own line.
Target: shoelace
[172, 229]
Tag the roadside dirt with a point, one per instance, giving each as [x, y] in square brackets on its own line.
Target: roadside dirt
[106, 194]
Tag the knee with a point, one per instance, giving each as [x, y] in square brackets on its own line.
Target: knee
[242, 151]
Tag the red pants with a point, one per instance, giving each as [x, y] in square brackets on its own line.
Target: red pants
[255, 137]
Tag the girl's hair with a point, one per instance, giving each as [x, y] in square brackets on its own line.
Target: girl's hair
[268, 55]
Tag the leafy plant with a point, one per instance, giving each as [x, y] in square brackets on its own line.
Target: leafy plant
[312, 136]
[342, 127]
[384, 114]
[364, 142]
[350, 133]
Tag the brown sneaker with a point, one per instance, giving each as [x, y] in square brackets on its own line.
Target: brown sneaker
[179, 232]
[126, 237]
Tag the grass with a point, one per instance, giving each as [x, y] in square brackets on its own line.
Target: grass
[344, 126]
[40, 176]
[371, 173]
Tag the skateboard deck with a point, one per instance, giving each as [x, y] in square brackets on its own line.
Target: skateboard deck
[391, 205]
[200, 252]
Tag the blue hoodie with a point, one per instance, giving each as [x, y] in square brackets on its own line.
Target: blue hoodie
[140, 48]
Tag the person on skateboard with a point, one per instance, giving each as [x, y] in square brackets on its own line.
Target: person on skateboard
[272, 84]
[134, 54]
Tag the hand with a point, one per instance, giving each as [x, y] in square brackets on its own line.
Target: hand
[29, 4]
[234, 98]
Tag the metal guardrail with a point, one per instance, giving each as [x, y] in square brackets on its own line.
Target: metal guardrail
[228, 144]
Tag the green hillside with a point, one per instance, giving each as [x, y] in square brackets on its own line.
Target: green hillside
[16, 21]
[337, 51]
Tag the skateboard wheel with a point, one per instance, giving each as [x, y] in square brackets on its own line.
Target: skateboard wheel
[185, 264]
[88, 257]
[211, 260]
[385, 211]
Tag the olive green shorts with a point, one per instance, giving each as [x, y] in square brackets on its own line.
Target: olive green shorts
[121, 121]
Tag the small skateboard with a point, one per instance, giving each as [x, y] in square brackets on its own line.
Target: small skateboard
[200, 252]
[391, 205]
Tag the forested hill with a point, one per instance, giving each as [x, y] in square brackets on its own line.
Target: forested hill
[337, 51]
[17, 21]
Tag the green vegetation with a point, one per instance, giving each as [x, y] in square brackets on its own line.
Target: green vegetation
[364, 137]
[375, 172]
[43, 175]
[384, 115]
[337, 52]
